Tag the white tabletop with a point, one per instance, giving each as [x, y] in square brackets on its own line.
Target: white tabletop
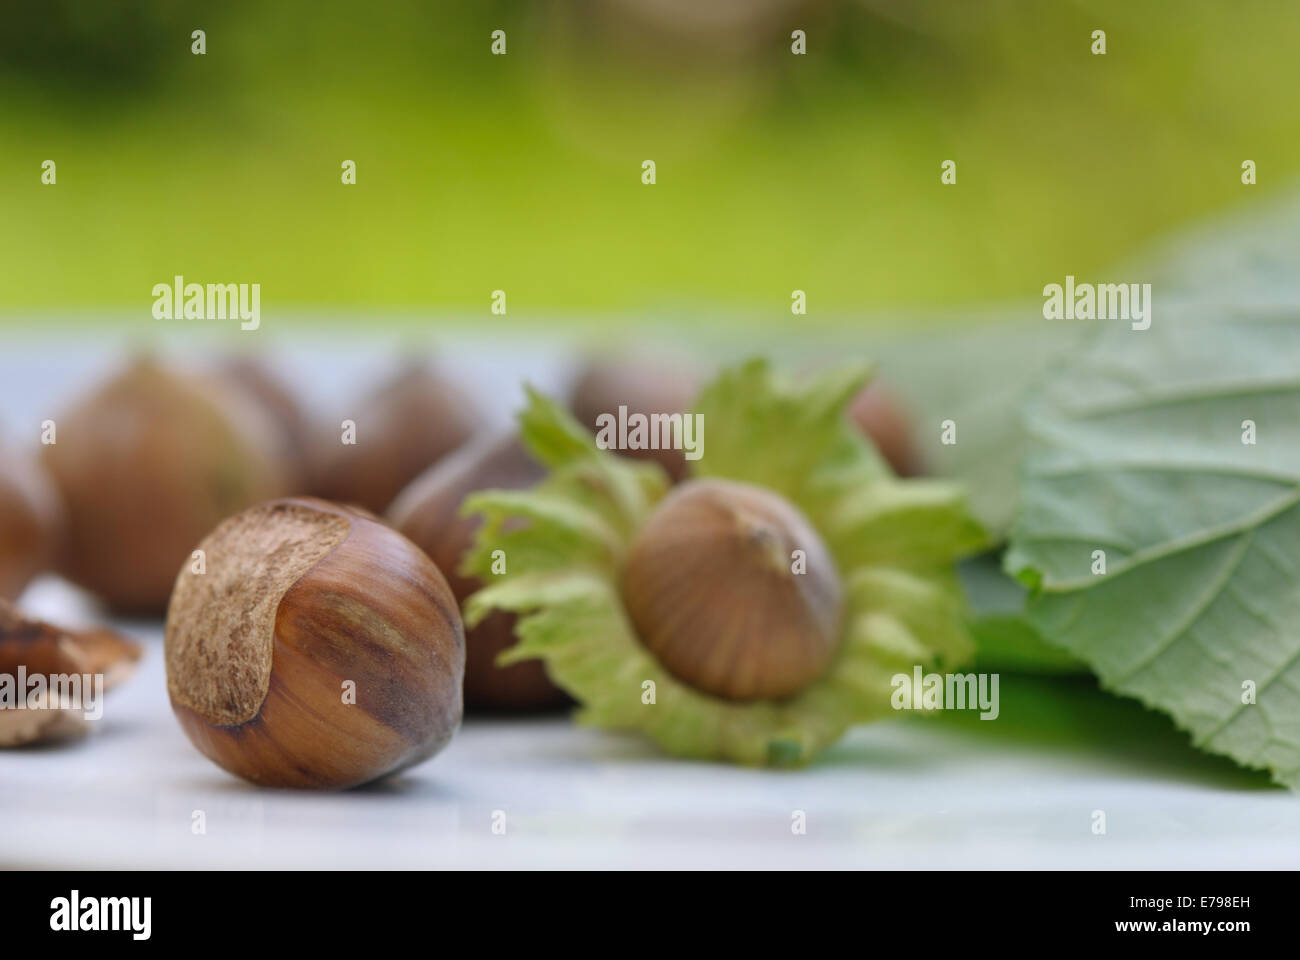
[910, 793]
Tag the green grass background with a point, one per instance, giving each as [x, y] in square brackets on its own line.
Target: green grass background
[522, 172]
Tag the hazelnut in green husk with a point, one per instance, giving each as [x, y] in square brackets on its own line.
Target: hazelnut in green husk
[757, 611]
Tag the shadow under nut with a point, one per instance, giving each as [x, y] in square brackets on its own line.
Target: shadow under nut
[257, 668]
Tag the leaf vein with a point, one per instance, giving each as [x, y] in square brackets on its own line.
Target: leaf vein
[1200, 538]
[1176, 397]
[1216, 587]
[1236, 711]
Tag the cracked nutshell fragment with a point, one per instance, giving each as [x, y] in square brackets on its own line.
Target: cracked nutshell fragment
[51, 678]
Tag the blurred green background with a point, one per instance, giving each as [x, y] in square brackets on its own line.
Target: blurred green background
[522, 172]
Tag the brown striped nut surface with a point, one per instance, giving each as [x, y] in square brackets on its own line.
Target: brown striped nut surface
[312, 646]
[428, 512]
[715, 591]
[402, 428]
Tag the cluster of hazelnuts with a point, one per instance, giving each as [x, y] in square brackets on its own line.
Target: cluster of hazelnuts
[313, 634]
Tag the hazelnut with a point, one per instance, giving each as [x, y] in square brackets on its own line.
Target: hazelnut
[879, 416]
[711, 589]
[146, 465]
[428, 513]
[253, 378]
[29, 523]
[643, 387]
[402, 428]
[319, 648]
[41, 648]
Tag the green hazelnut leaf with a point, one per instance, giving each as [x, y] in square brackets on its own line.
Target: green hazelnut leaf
[1005, 640]
[565, 542]
[1160, 521]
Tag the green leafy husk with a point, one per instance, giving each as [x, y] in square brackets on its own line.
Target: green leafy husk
[894, 542]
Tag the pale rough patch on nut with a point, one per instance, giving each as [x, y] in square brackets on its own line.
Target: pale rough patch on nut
[218, 650]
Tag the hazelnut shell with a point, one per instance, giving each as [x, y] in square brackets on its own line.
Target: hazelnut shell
[643, 387]
[302, 601]
[41, 648]
[402, 428]
[428, 512]
[710, 587]
[30, 518]
[255, 380]
[44, 648]
[883, 420]
[146, 465]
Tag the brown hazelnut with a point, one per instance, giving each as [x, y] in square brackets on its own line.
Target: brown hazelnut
[317, 648]
[146, 465]
[30, 517]
[41, 648]
[428, 512]
[883, 420]
[402, 428]
[646, 388]
[710, 584]
[253, 378]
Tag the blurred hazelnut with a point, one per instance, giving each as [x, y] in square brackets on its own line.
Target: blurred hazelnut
[402, 428]
[253, 378]
[147, 464]
[428, 513]
[643, 387]
[883, 420]
[30, 517]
